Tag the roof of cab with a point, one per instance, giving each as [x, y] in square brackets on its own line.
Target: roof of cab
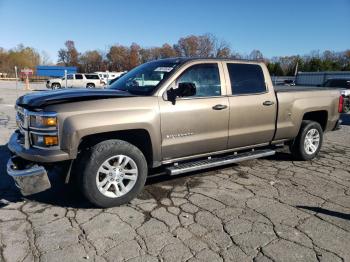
[189, 59]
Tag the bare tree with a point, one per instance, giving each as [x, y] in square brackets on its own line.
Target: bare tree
[188, 46]
[91, 61]
[256, 55]
[69, 56]
[118, 56]
[167, 51]
[45, 58]
[134, 58]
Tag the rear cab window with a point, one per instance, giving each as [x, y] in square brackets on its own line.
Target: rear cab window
[246, 79]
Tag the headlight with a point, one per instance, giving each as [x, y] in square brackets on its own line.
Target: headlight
[43, 121]
[44, 140]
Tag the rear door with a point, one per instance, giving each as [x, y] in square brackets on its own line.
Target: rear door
[79, 81]
[253, 105]
[196, 124]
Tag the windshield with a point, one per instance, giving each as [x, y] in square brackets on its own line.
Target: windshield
[144, 79]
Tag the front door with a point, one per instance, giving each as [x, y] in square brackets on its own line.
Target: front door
[70, 80]
[199, 123]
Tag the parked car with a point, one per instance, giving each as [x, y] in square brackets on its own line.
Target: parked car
[177, 115]
[75, 80]
[108, 76]
[115, 79]
[344, 85]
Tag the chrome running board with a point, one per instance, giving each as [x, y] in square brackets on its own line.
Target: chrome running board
[217, 161]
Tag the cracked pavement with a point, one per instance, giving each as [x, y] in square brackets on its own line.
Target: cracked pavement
[271, 209]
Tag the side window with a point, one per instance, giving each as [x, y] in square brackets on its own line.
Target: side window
[92, 76]
[206, 78]
[78, 76]
[69, 76]
[246, 79]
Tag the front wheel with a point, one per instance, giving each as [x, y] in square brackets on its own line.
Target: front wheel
[307, 144]
[115, 172]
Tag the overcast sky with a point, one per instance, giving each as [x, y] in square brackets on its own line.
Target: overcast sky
[283, 27]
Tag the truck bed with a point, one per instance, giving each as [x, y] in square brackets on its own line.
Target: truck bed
[301, 88]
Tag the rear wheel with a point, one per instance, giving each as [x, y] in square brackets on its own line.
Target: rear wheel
[90, 85]
[307, 144]
[55, 86]
[114, 173]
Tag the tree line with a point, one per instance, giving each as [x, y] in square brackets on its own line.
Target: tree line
[123, 58]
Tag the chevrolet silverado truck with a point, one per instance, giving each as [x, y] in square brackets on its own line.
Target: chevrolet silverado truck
[176, 115]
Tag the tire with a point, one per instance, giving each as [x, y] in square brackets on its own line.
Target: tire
[90, 85]
[55, 86]
[307, 144]
[95, 172]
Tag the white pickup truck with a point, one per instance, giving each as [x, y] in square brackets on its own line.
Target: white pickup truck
[76, 80]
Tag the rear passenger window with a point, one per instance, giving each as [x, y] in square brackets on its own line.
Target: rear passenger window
[206, 78]
[92, 77]
[246, 79]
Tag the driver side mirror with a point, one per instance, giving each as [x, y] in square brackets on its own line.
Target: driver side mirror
[184, 90]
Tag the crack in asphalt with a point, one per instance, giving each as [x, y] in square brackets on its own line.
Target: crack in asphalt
[245, 212]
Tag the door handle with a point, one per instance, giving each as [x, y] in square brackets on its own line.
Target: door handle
[268, 103]
[219, 107]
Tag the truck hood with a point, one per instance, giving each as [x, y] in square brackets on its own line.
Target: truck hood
[42, 99]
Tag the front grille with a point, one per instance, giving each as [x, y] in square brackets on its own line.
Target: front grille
[21, 117]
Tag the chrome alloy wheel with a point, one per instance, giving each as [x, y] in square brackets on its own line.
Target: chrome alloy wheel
[312, 141]
[116, 176]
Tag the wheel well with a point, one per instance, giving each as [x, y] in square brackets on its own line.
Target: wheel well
[55, 83]
[90, 84]
[317, 116]
[137, 137]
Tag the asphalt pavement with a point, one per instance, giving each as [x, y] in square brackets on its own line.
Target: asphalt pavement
[271, 209]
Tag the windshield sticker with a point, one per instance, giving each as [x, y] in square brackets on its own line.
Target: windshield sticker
[163, 69]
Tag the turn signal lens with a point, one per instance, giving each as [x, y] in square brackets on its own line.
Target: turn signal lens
[50, 121]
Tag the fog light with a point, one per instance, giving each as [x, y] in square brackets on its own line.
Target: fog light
[50, 140]
[44, 140]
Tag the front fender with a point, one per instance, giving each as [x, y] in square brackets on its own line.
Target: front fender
[76, 127]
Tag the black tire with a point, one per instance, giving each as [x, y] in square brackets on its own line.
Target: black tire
[297, 147]
[90, 85]
[93, 159]
[55, 86]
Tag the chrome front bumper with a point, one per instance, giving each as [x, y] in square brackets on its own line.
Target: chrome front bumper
[30, 179]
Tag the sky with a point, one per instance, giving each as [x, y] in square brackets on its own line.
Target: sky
[275, 27]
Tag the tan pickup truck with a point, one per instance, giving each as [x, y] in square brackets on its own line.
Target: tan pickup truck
[177, 115]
